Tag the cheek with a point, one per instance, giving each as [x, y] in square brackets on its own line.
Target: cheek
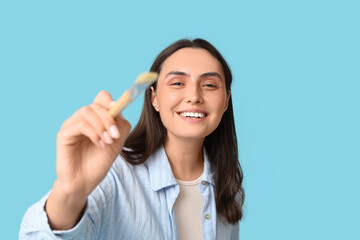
[168, 101]
[218, 103]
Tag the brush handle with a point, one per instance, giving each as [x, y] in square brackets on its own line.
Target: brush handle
[120, 104]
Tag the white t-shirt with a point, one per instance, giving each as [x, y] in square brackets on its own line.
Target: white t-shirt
[188, 209]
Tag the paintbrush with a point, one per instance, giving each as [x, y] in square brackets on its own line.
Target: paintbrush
[142, 82]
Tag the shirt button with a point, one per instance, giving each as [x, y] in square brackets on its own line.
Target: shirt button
[203, 183]
[207, 216]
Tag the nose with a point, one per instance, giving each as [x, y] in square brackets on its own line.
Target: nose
[194, 95]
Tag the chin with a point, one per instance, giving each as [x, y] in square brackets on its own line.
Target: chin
[192, 136]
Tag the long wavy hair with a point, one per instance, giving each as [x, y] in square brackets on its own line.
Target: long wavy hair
[221, 145]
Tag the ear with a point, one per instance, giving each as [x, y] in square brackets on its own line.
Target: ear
[154, 99]
[227, 100]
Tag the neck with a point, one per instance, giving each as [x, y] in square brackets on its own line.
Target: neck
[185, 157]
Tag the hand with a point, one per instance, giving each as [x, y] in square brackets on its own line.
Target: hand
[87, 145]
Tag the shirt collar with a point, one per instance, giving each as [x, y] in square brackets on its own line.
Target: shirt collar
[161, 175]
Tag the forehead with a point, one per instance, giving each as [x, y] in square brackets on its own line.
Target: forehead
[192, 61]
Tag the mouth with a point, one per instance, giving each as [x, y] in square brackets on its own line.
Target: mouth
[193, 114]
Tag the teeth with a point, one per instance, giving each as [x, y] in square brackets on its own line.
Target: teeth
[192, 115]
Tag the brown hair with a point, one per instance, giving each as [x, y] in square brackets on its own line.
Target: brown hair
[221, 145]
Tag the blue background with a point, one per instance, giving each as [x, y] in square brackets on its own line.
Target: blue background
[295, 93]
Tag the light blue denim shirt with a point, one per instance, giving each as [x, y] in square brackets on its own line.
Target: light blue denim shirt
[133, 202]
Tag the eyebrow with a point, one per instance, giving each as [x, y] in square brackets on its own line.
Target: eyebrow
[177, 73]
[211, 74]
[208, 74]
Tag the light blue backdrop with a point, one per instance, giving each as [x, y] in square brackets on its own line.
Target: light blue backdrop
[296, 97]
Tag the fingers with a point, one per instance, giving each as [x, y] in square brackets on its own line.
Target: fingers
[124, 128]
[71, 134]
[107, 121]
[104, 99]
[87, 130]
[125, 125]
[98, 118]
[95, 122]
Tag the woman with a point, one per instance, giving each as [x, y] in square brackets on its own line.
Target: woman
[178, 176]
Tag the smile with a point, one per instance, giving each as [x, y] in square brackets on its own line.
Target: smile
[192, 115]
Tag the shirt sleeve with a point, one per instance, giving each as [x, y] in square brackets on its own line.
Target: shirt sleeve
[101, 204]
[95, 216]
[235, 232]
[35, 223]
[101, 207]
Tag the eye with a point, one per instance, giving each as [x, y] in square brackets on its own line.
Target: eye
[209, 85]
[177, 84]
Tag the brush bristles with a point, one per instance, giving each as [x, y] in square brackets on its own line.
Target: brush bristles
[147, 78]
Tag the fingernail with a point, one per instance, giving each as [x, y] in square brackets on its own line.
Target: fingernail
[102, 144]
[114, 131]
[108, 139]
[112, 103]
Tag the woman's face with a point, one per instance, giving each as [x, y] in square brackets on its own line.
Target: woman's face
[191, 94]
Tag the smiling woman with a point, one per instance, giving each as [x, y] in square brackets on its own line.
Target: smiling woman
[175, 176]
[197, 88]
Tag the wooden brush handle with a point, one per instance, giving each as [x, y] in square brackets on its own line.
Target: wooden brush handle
[120, 104]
